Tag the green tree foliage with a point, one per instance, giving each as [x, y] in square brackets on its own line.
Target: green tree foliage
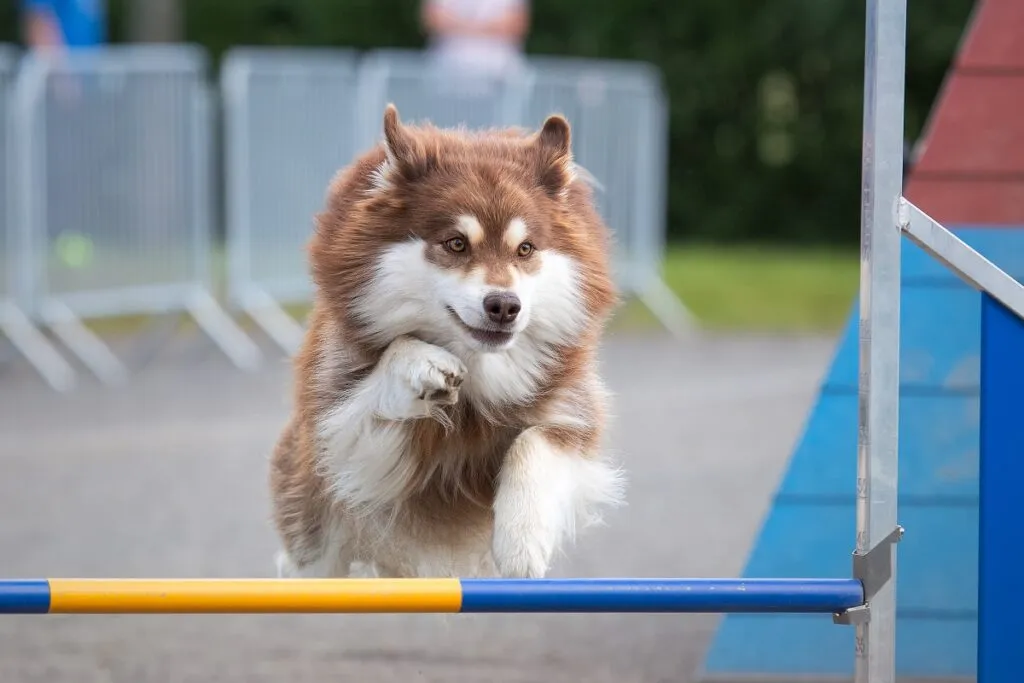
[766, 97]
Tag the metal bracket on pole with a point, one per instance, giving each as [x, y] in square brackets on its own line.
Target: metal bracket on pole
[874, 570]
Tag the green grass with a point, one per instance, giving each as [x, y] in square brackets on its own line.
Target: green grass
[755, 288]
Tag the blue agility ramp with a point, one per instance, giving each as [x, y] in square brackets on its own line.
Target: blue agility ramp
[940, 433]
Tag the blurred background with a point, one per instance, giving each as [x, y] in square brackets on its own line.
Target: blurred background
[163, 162]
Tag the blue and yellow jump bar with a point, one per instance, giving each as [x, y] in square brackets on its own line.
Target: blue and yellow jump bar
[236, 596]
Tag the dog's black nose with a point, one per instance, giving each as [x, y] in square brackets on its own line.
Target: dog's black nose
[502, 308]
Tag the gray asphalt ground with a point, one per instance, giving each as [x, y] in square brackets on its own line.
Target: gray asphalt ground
[166, 477]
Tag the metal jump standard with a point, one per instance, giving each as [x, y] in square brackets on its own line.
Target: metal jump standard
[867, 600]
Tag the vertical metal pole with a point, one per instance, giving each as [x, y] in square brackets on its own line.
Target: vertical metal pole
[878, 415]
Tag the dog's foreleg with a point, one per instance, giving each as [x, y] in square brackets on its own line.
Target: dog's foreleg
[544, 489]
[366, 435]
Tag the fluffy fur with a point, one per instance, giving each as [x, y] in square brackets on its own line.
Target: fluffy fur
[448, 410]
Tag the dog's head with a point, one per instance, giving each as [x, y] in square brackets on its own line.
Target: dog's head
[475, 239]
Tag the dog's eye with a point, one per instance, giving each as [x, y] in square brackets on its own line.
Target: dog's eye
[525, 249]
[456, 245]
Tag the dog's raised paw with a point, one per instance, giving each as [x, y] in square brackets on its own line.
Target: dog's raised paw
[448, 392]
[436, 375]
[429, 376]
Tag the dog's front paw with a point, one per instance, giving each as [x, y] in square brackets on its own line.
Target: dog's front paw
[436, 377]
[520, 553]
[422, 377]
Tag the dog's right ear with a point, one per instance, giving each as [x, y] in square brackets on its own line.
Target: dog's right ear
[397, 143]
[405, 155]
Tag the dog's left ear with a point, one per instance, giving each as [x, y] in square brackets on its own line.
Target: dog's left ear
[552, 147]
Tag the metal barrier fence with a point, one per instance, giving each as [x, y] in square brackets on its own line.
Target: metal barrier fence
[114, 192]
[111, 208]
[15, 324]
[8, 65]
[280, 155]
[289, 125]
[619, 113]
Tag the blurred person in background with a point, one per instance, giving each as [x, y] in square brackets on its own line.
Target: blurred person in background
[485, 37]
[475, 48]
[56, 29]
[58, 25]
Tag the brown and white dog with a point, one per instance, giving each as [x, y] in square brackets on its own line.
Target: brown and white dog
[448, 409]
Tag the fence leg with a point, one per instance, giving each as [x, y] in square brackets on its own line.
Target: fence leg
[274, 320]
[36, 348]
[225, 333]
[1001, 535]
[667, 308]
[96, 355]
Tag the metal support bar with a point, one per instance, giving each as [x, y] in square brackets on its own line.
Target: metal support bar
[973, 268]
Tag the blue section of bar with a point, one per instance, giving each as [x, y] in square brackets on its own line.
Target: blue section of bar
[660, 595]
[28, 596]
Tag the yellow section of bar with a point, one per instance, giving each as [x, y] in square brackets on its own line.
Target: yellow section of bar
[180, 596]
